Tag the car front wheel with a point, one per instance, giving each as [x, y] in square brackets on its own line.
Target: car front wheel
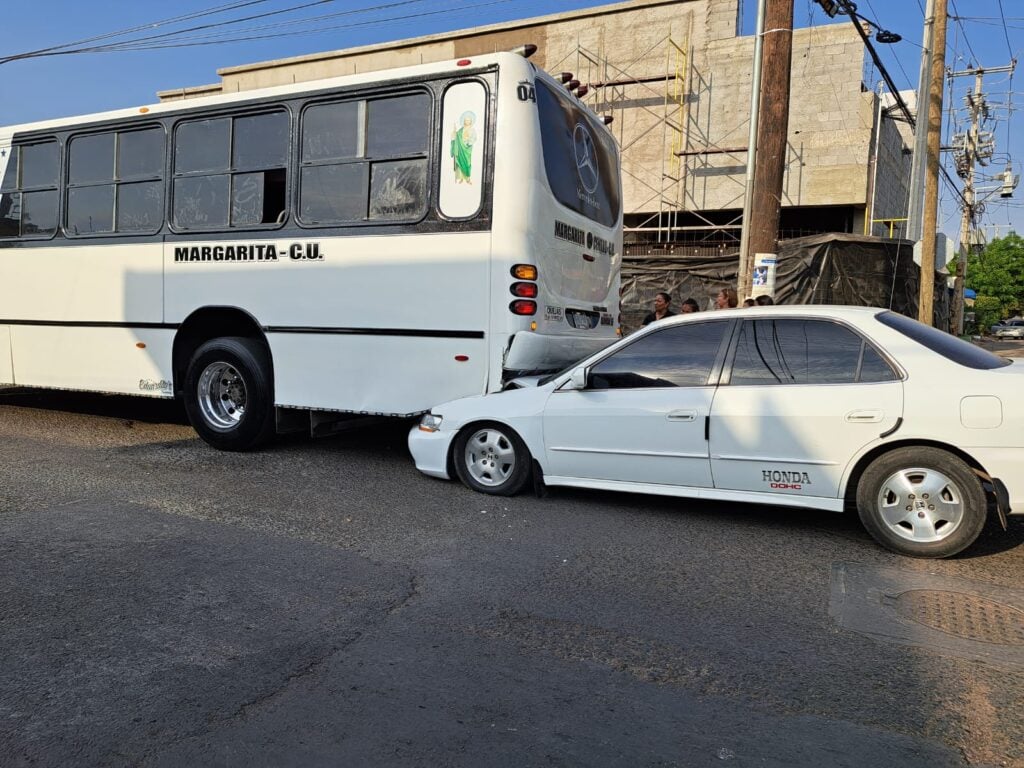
[922, 502]
[493, 459]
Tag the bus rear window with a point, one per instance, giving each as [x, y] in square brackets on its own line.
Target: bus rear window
[580, 158]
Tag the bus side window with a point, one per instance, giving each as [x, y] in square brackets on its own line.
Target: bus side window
[231, 172]
[118, 171]
[365, 160]
[28, 203]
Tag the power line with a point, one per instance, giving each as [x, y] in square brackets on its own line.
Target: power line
[1006, 32]
[204, 34]
[852, 13]
[130, 30]
[963, 31]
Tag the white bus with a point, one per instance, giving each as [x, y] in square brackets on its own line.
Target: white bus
[370, 244]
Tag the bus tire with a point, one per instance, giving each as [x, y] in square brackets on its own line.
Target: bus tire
[229, 394]
[492, 458]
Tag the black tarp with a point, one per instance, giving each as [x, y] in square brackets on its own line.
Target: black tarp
[820, 269]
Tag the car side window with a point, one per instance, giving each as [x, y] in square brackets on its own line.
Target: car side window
[679, 356]
[791, 351]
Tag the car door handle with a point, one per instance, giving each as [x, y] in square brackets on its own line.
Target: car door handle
[682, 416]
[864, 417]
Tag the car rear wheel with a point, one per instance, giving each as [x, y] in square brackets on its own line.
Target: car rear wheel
[922, 502]
[491, 458]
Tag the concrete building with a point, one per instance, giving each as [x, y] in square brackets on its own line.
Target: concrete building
[676, 78]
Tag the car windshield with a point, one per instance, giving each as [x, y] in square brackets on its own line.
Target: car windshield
[950, 347]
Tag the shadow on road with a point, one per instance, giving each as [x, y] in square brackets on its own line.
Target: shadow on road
[145, 409]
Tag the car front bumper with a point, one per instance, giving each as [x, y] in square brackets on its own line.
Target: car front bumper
[430, 451]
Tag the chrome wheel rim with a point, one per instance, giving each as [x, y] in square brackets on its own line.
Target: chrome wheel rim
[222, 396]
[921, 505]
[490, 457]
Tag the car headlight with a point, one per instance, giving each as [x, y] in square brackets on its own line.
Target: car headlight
[431, 422]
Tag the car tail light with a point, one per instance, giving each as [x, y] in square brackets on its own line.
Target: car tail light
[523, 307]
[524, 272]
[525, 290]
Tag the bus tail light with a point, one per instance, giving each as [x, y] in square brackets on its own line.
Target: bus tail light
[524, 290]
[524, 272]
[523, 307]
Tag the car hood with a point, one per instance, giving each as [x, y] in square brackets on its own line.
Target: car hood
[510, 403]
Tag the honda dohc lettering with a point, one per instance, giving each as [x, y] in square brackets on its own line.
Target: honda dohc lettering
[785, 480]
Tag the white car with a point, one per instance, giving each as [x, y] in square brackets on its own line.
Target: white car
[811, 406]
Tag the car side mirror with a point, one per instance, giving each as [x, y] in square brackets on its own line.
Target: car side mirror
[577, 379]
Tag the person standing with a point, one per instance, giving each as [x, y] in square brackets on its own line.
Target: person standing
[726, 299]
[690, 305]
[661, 308]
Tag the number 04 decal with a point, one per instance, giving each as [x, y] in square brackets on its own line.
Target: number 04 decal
[526, 92]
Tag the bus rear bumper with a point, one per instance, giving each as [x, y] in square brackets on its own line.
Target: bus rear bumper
[544, 352]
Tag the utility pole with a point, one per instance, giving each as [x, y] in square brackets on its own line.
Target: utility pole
[926, 294]
[973, 147]
[772, 132]
[920, 135]
[746, 270]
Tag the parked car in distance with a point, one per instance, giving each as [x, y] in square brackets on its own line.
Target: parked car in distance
[1011, 329]
[995, 328]
[813, 406]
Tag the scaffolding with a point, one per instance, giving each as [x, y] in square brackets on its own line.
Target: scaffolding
[665, 105]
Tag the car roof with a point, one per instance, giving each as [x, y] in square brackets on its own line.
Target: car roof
[834, 311]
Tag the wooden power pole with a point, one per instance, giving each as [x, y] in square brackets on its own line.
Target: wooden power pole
[926, 296]
[772, 131]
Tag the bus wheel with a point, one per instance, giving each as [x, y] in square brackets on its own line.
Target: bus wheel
[921, 501]
[491, 458]
[229, 394]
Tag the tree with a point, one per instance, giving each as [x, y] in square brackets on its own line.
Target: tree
[998, 272]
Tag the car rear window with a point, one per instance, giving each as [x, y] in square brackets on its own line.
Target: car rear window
[950, 347]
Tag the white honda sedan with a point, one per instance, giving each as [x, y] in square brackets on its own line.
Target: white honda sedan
[810, 406]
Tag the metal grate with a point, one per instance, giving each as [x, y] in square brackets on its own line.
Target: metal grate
[963, 615]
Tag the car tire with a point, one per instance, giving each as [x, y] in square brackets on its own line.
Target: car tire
[492, 459]
[921, 501]
[229, 394]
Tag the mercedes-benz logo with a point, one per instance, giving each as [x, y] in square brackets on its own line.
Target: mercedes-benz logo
[586, 158]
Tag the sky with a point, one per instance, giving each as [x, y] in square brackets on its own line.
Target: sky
[44, 87]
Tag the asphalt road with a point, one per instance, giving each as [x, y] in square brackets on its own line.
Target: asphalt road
[322, 603]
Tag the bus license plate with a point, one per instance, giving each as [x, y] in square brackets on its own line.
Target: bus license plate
[581, 321]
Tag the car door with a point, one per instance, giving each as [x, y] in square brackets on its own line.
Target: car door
[799, 398]
[641, 417]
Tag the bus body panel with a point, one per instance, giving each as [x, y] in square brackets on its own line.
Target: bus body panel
[6, 365]
[83, 283]
[389, 312]
[65, 304]
[374, 374]
[97, 359]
